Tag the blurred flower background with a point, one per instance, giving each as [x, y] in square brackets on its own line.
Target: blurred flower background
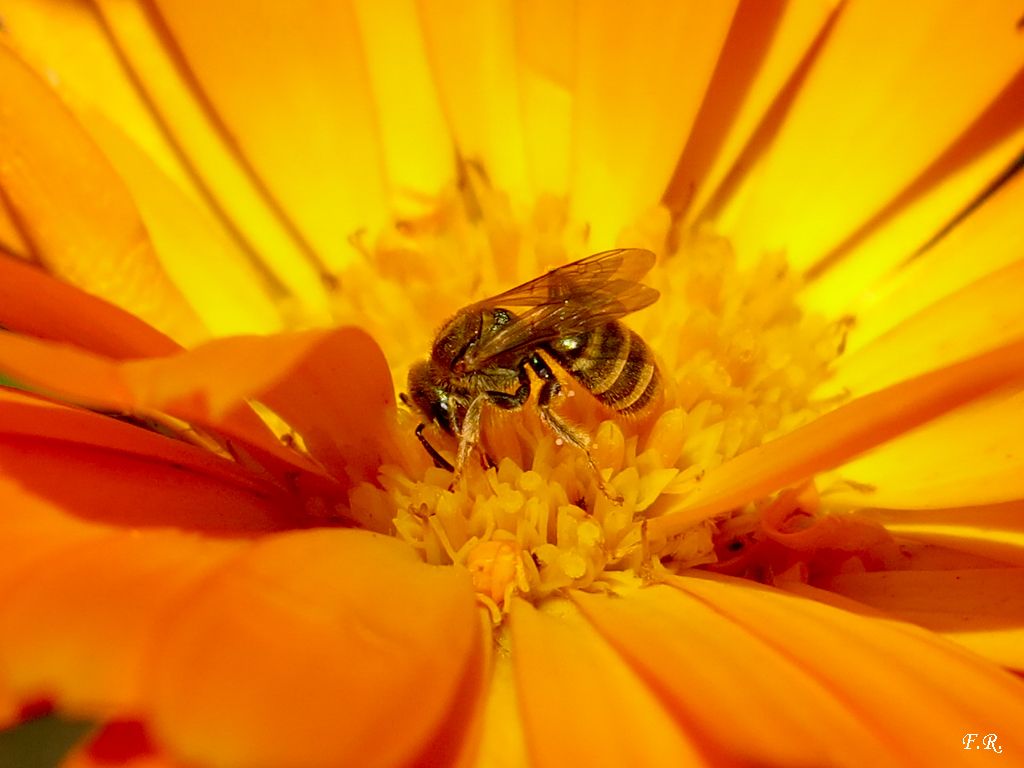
[226, 230]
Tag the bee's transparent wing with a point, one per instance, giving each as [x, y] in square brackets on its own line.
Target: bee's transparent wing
[569, 300]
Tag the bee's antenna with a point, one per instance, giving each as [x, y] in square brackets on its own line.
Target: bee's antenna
[439, 461]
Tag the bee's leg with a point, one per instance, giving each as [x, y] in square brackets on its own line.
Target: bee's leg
[549, 390]
[439, 461]
[469, 436]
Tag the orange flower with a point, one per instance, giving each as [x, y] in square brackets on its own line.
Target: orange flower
[226, 235]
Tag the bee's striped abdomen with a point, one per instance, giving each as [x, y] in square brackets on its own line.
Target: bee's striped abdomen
[613, 363]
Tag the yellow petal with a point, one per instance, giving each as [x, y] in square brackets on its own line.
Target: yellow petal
[77, 213]
[222, 285]
[579, 699]
[907, 685]
[765, 46]
[471, 47]
[981, 608]
[841, 434]
[418, 156]
[643, 70]
[750, 702]
[988, 240]
[545, 54]
[982, 315]
[994, 532]
[289, 82]
[923, 209]
[894, 85]
[223, 176]
[69, 43]
[971, 456]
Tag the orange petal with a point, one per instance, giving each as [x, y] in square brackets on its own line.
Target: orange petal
[643, 69]
[290, 85]
[971, 456]
[35, 303]
[840, 435]
[95, 241]
[111, 471]
[121, 744]
[709, 671]
[213, 384]
[982, 608]
[580, 702]
[988, 240]
[227, 290]
[225, 179]
[893, 87]
[457, 743]
[82, 604]
[905, 684]
[321, 648]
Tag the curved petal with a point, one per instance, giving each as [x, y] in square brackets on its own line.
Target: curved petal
[333, 385]
[842, 434]
[95, 241]
[710, 672]
[981, 608]
[643, 72]
[35, 303]
[932, 68]
[224, 177]
[579, 699]
[81, 603]
[308, 649]
[108, 471]
[906, 684]
[249, 65]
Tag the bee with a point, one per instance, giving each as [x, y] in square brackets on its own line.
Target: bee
[569, 317]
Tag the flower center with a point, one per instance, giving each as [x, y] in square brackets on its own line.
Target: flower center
[530, 515]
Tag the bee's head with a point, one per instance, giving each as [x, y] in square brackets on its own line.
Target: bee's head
[429, 394]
